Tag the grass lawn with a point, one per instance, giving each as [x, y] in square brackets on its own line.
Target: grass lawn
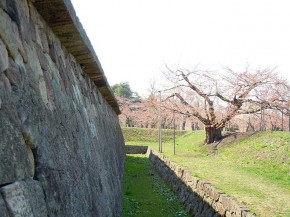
[255, 169]
[145, 193]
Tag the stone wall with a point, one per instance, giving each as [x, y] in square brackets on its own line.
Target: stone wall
[61, 146]
[136, 149]
[200, 198]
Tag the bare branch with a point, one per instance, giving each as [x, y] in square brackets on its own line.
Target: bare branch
[193, 111]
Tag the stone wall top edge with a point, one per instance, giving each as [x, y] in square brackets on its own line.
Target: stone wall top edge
[202, 183]
[58, 13]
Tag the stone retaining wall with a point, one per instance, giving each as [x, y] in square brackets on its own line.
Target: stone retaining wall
[61, 145]
[136, 149]
[200, 198]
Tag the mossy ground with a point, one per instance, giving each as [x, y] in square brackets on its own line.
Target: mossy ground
[254, 168]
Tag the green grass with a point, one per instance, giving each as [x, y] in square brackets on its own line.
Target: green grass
[145, 193]
[265, 154]
[255, 170]
[145, 135]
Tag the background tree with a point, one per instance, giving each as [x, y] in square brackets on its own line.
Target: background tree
[128, 109]
[122, 90]
[129, 102]
[237, 93]
[281, 102]
[144, 112]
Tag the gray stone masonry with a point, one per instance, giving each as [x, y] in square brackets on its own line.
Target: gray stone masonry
[130, 149]
[61, 147]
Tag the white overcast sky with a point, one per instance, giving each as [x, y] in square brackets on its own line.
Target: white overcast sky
[134, 38]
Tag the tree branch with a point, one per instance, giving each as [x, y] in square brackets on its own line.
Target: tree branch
[193, 113]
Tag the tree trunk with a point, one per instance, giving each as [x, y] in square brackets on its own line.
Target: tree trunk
[289, 123]
[250, 128]
[212, 134]
[183, 125]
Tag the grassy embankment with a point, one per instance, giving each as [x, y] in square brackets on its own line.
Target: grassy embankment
[145, 193]
[255, 169]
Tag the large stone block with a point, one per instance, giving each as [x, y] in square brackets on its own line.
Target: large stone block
[34, 193]
[18, 11]
[17, 204]
[25, 198]
[3, 57]
[13, 74]
[3, 4]
[14, 160]
[10, 35]
[3, 209]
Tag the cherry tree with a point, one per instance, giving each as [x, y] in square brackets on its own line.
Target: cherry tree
[214, 98]
[127, 108]
[281, 102]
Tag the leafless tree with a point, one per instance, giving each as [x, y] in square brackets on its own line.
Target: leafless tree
[281, 102]
[222, 96]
